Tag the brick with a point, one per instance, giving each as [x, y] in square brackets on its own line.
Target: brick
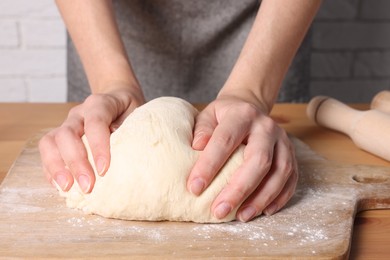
[13, 90]
[349, 91]
[375, 9]
[28, 8]
[35, 62]
[351, 35]
[336, 9]
[43, 33]
[372, 64]
[331, 64]
[9, 36]
[47, 89]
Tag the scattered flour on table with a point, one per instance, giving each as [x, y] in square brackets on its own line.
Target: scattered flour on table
[115, 228]
[22, 200]
[303, 224]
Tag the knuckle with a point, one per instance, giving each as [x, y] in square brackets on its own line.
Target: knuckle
[92, 120]
[266, 199]
[265, 128]
[93, 116]
[44, 141]
[239, 192]
[269, 126]
[98, 100]
[74, 111]
[73, 164]
[287, 169]
[205, 168]
[248, 109]
[225, 140]
[210, 171]
[63, 133]
[263, 161]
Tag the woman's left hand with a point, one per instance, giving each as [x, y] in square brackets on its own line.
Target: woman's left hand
[266, 180]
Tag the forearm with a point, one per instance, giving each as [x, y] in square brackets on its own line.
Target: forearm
[92, 27]
[269, 49]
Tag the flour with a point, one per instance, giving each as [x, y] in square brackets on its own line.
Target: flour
[316, 222]
[303, 223]
[8, 197]
[259, 234]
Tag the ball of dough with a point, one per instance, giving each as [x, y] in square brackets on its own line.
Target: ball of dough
[151, 159]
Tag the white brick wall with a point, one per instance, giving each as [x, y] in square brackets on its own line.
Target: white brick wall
[350, 60]
[32, 52]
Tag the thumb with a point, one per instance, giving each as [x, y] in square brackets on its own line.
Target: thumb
[205, 124]
[120, 119]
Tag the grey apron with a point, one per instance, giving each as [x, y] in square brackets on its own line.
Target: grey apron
[187, 48]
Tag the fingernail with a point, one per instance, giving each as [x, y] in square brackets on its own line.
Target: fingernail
[62, 181]
[222, 210]
[197, 139]
[101, 166]
[84, 183]
[197, 186]
[271, 209]
[247, 214]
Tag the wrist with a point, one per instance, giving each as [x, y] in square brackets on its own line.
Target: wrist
[247, 95]
[123, 91]
[116, 85]
[254, 87]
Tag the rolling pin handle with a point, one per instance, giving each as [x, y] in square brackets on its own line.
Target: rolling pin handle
[331, 113]
[381, 101]
[368, 129]
[313, 107]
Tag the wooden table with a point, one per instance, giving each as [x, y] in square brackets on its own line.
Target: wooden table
[371, 239]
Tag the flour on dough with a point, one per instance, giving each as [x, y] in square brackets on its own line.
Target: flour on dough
[151, 158]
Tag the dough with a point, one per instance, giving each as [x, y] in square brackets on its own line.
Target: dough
[151, 158]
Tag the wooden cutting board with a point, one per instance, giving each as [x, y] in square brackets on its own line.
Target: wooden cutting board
[316, 224]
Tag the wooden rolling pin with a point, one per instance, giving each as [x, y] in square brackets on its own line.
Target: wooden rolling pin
[369, 130]
[381, 101]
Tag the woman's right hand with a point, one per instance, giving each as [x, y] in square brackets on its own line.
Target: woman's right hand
[64, 157]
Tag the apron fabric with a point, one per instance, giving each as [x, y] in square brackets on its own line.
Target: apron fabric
[187, 49]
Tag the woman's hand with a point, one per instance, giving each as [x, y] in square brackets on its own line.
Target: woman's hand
[63, 154]
[268, 176]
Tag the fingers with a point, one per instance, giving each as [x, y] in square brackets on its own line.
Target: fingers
[98, 133]
[64, 156]
[53, 165]
[284, 196]
[222, 143]
[75, 157]
[203, 129]
[258, 159]
[276, 188]
[267, 178]
[63, 153]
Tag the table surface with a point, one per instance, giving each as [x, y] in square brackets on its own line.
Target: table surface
[371, 235]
